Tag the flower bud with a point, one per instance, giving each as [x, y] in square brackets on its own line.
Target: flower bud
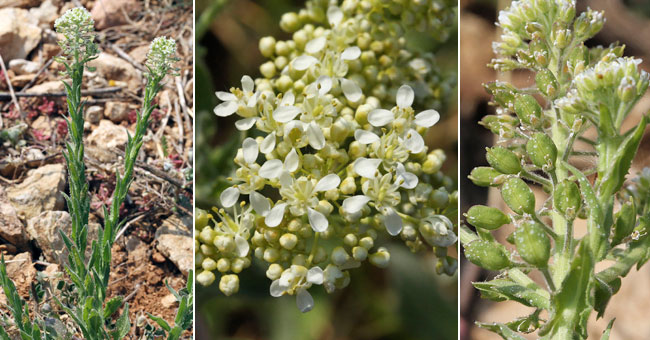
[290, 22]
[274, 271]
[567, 198]
[528, 110]
[485, 176]
[625, 222]
[229, 284]
[486, 254]
[366, 242]
[223, 265]
[205, 278]
[542, 151]
[546, 83]
[339, 256]
[271, 255]
[503, 160]
[348, 186]
[381, 258]
[518, 196]
[268, 69]
[533, 245]
[288, 241]
[267, 46]
[209, 264]
[359, 253]
[201, 219]
[485, 217]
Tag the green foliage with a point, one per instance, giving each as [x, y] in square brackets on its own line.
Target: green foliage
[580, 88]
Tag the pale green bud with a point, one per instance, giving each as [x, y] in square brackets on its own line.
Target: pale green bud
[348, 186]
[381, 258]
[205, 278]
[289, 22]
[339, 256]
[209, 264]
[229, 284]
[267, 46]
[350, 240]
[271, 255]
[268, 69]
[288, 241]
[239, 264]
[357, 150]
[223, 265]
[225, 244]
[359, 253]
[274, 271]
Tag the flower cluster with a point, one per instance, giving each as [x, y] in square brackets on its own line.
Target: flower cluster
[581, 89]
[78, 30]
[330, 169]
[160, 57]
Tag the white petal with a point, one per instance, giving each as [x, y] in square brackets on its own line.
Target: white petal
[351, 90]
[355, 203]
[315, 45]
[250, 150]
[275, 216]
[292, 161]
[286, 179]
[229, 197]
[284, 114]
[404, 178]
[380, 117]
[414, 142]
[252, 100]
[268, 144]
[365, 137]
[226, 108]
[324, 84]
[317, 220]
[288, 99]
[242, 246]
[245, 124]
[276, 290]
[294, 124]
[304, 301]
[315, 136]
[303, 62]
[427, 118]
[393, 222]
[226, 96]
[405, 97]
[367, 167]
[315, 275]
[271, 169]
[334, 15]
[260, 203]
[351, 53]
[247, 84]
[328, 182]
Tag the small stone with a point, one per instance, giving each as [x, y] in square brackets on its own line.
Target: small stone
[47, 87]
[44, 229]
[21, 271]
[158, 257]
[11, 228]
[19, 33]
[8, 249]
[112, 13]
[94, 114]
[40, 191]
[116, 69]
[46, 13]
[168, 301]
[22, 66]
[22, 80]
[116, 111]
[106, 138]
[43, 125]
[175, 242]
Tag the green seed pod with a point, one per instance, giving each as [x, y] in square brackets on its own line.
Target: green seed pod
[504, 93]
[485, 176]
[488, 255]
[503, 160]
[518, 196]
[567, 198]
[533, 245]
[625, 223]
[528, 110]
[546, 83]
[542, 151]
[488, 218]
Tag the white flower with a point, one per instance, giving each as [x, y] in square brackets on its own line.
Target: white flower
[404, 100]
[243, 102]
[385, 196]
[297, 280]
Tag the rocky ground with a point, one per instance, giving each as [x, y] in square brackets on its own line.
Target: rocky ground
[155, 244]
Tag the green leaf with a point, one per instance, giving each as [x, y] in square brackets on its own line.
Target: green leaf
[123, 326]
[608, 330]
[571, 304]
[506, 289]
[612, 179]
[160, 321]
[603, 292]
[112, 306]
[503, 330]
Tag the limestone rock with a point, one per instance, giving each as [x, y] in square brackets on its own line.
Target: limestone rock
[19, 33]
[116, 111]
[46, 13]
[40, 191]
[109, 13]
[117, 69]
[22, 66]
[47, 87]
[11, 228]
[174, 240]
[105, 139]
[94, 114]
